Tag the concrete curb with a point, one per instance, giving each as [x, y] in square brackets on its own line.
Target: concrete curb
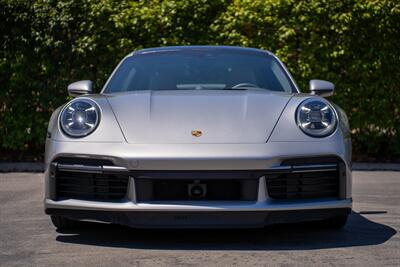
[361, 166]
[39, 167]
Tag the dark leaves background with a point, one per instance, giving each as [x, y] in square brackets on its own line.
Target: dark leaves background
[47, 44]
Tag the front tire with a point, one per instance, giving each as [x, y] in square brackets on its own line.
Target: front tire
[63, 223]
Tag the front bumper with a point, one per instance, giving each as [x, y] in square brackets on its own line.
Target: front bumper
[127, 158]
[185, 219]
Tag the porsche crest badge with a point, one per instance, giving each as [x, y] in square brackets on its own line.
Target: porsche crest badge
[196, 133]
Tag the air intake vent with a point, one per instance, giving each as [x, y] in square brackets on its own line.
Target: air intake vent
[180, 185]
[304, 185]
[91, 186]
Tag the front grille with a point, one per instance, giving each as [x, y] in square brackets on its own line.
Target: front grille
[175, 186]
[304, 185]
[178, 190]
[159, 190]
[101, 180]
[91, 186]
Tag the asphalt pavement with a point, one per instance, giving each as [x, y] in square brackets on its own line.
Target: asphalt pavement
[370, 238]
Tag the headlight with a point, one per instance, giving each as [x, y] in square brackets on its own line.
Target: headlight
[80, 117]
[316, 117]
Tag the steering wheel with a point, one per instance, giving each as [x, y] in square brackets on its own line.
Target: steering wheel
[240, 85]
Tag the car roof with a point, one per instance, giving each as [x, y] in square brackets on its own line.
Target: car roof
[199, 47]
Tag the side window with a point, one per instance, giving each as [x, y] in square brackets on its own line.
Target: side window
[126, 84]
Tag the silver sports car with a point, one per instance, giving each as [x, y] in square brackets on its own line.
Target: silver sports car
[198, 136]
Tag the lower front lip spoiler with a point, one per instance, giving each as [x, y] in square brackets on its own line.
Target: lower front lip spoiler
[190, 219]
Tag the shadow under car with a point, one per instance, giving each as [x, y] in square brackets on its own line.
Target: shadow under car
[359, 231]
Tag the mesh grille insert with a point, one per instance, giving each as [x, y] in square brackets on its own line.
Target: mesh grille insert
[307, 185]
[91, 186]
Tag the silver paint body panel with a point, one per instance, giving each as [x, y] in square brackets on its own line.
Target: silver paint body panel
[224, 117]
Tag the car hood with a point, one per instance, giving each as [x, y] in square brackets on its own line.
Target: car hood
[169, 117]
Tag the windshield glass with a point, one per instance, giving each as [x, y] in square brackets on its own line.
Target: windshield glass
[199, 70]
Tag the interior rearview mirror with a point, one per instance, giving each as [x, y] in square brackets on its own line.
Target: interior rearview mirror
[322, 88]
[80, 88]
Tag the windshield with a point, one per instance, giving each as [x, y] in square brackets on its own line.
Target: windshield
[199, 70]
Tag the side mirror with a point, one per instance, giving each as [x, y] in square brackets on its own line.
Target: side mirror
[322, 88]
[80, 88]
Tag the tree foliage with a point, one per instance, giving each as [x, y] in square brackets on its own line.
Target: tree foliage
[46, 44]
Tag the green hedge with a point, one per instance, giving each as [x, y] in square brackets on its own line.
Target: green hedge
[47, 44]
